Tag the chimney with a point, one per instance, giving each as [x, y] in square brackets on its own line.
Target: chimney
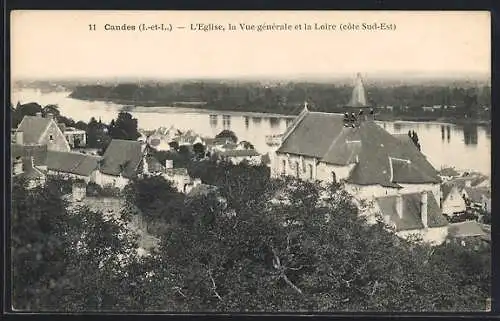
[27, 163]
[39, 114]
[399, 205]
[169, 163]
[423, 209]
[19, 137]
[50, 116]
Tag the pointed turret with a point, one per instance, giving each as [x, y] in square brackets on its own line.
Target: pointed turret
[358, 98]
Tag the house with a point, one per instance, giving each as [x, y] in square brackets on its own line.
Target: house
[478, 197]
[189, 139]
[178, 176]
[448, 173]
[75, 137]
[369, 160]
[414, 214]
[72, 165]
[452, 202]
[38, 130]
[122, 161]
[237, 156]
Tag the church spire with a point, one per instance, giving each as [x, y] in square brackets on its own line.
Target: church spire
[358, 98]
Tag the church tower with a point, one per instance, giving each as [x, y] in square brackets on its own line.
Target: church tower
[358, 108]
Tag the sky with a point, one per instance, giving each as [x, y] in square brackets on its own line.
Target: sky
[59, 44]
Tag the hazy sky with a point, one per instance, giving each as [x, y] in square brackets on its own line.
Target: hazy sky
[59, 44]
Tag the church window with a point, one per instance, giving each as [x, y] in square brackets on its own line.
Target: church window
[283, 168]
[310, 171]
[297, 172]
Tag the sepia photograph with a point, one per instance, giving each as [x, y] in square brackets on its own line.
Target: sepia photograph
[250, 161]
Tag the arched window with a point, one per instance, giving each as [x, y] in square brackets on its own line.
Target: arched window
[334, 177]
[297, 173]
[310, 170]
[283, 168]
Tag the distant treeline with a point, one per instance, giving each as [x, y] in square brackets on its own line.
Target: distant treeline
[288, 98]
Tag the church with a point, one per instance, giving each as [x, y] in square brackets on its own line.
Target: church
[352, 149]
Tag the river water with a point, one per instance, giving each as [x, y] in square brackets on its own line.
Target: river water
[466, 147]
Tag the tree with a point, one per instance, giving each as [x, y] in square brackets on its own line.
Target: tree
[69, 260]
[125, 127]
[174, 145]
[227, 134]
[51, 109]
[156, 197]
[199, 150]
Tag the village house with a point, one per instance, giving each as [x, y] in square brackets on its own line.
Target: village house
[414, 214]
[478, 197]
[178, 176]
[448, 173]
[237, 156]
[75, 137]
[38, 130]
[122, 161]
[452, 201]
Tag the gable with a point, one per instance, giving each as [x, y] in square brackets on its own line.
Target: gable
[33, 128]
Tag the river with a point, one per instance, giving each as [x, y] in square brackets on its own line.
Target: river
[466, 147]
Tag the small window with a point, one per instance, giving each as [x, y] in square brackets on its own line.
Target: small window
[51, 137]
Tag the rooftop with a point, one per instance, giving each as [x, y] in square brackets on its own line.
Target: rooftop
[411, 218]
[324, 137]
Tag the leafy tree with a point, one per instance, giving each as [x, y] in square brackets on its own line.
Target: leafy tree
[51, 109]
[156, 197]
[68, 260]
[199, 150]
[124, 127]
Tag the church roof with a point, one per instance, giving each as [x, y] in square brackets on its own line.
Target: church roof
[380, 157]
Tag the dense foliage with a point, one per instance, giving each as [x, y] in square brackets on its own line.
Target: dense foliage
[253, 244]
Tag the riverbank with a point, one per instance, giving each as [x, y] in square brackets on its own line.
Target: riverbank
[202, 107]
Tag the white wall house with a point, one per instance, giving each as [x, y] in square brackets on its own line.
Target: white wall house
[452, 202]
